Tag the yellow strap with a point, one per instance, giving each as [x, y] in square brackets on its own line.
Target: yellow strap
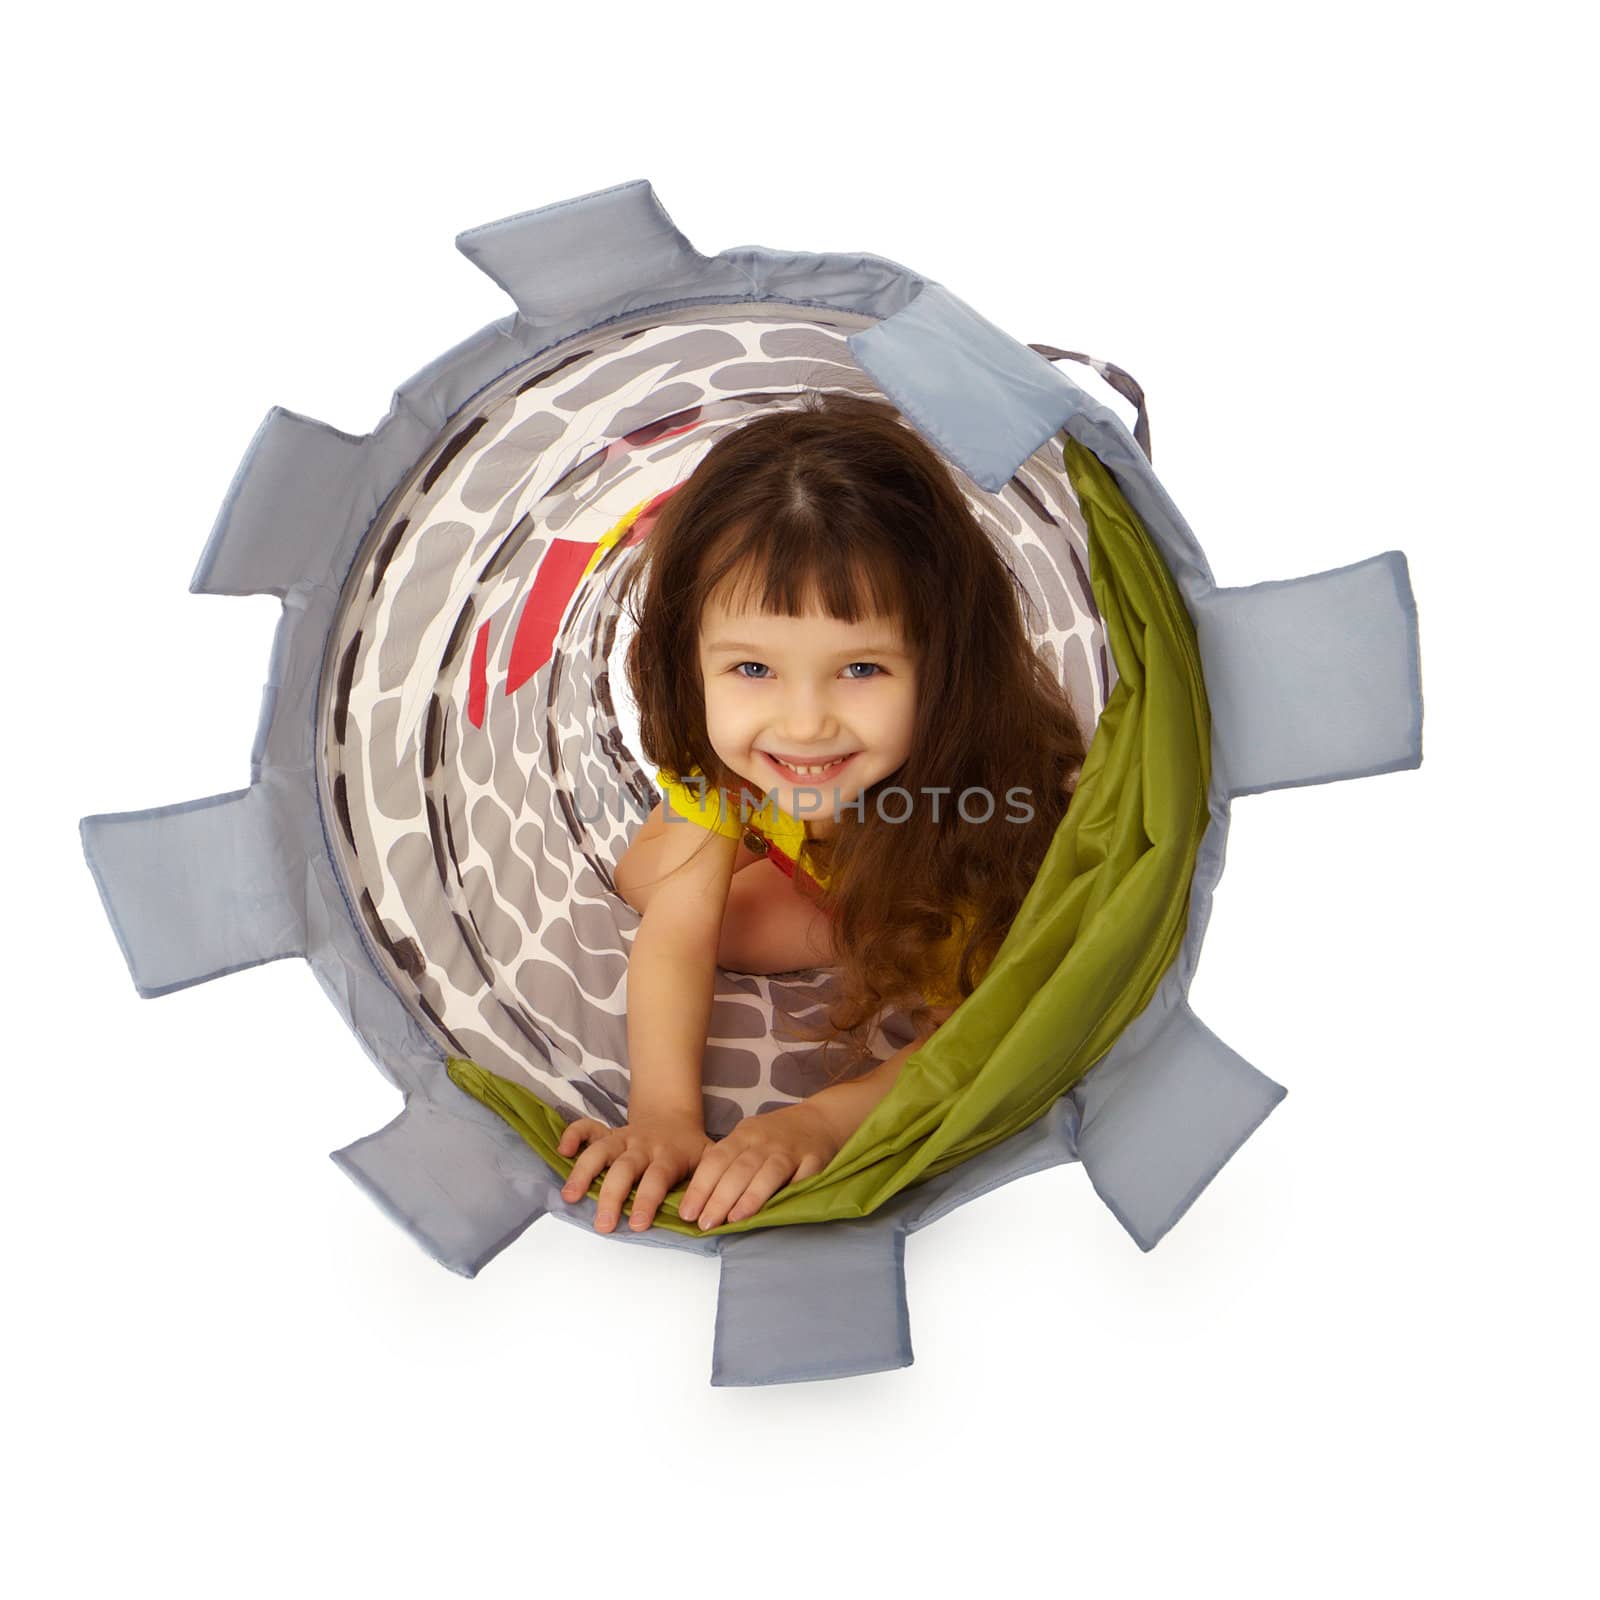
[719, 813]
[700, 803]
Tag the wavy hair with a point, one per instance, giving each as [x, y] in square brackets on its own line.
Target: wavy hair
[837, 503]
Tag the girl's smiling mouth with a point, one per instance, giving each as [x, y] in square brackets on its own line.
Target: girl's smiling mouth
[811, 770]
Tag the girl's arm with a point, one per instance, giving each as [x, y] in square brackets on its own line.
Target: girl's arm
[682, 889]
[671, 982]
[677, 875]
[845, 1106]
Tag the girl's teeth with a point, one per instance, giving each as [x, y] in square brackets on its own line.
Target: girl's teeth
[811, 772]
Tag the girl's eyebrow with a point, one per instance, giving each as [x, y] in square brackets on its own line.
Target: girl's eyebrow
[853, 654]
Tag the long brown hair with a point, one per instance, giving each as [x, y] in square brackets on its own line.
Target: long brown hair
[839, 499]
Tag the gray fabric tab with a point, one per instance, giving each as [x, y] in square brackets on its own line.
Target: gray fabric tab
[1160, 1121]
[582, 263]
[615, 248]
[197, 890]
[441, 1177]
[816, 1300]
[983, 400]
[286, 516]
[1313, 679]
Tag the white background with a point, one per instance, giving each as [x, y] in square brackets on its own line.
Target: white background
[1346, 253]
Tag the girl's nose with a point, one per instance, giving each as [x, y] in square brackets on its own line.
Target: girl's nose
[807, 719]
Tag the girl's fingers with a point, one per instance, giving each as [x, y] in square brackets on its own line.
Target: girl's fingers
[575, 1133]
[809, 1167]
[585, 1167]
[712, 1165]
[619, 1180]
[653, 1188]
[582, 1175]
[730, 1186]
[775, 1172]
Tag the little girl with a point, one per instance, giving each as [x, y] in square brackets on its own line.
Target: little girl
[863, 761]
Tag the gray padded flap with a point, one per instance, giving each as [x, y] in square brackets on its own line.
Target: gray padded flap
[1315, 678]
[985, 402]
[815, 1300]
[438, 1175]
[1159, 1123]
[284, 520]
[592, 257]
[196, 890]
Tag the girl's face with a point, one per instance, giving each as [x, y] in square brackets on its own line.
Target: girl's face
[807, 691]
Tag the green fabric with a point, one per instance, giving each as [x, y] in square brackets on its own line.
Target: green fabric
[1104, 920]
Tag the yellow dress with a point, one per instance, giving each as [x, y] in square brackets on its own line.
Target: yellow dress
[770, 831]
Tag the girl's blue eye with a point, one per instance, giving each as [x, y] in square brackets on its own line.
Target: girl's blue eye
[873, 670]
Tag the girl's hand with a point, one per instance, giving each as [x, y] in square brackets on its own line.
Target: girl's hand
[739, 1174]
[662, 1146]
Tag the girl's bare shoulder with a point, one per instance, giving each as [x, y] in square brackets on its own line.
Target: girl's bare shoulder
[682, 869]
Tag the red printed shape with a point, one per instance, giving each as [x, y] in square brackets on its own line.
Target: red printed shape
[558, 576]
[478, 683]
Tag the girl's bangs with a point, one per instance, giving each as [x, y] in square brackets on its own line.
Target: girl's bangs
[784, 577]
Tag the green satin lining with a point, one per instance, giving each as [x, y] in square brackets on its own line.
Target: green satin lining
[1103, 922]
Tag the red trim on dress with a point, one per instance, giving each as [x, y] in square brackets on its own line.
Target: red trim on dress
[784, 862]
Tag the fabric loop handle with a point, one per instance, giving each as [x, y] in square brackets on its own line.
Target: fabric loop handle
[1119, 380]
